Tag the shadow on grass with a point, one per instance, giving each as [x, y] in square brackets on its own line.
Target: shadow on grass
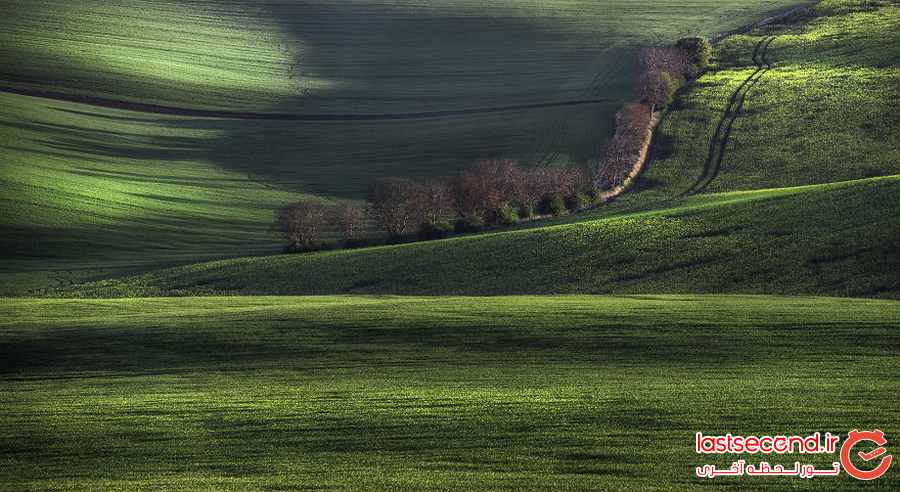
[156, 346]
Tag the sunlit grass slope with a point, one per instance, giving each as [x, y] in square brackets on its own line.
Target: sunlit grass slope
[98, 192]
[346, 55]
[836, 239]
[430, 393]
[828, 110]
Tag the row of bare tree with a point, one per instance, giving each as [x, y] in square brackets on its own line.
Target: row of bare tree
[663, 71]
[302, 223]
[492, 192]
[623, 150]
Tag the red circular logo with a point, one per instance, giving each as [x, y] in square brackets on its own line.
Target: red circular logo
[854, 437]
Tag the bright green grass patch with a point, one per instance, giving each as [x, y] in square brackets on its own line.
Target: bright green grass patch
[827, 111]
[836, 239]
[88, 193]
[347, 55]
[427, 393]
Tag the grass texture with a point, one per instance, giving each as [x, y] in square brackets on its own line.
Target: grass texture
[530, 393]
[827, 110]
[347, 55]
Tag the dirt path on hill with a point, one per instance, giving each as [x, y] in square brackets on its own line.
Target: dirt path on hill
[733, 110]
[250, 115]
[735, 106]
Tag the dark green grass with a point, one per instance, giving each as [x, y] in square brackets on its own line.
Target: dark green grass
[836, 239]
[827, 111]
[427, 393]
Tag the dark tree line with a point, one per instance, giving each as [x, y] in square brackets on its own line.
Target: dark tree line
[302, 223]
[491, 193]
[622, 151]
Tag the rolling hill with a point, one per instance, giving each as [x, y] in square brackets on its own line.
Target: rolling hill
[826, 108]
[346, 56]
[155, 341]
[835, 239]
[90, 191]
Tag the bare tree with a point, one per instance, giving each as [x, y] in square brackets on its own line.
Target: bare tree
[503, 172]
[351, 218]
[662, 71]
[301, 223]
[393, 205]
[433, 200]
[657, 88]
[542, 181]
[524, 190]
[624, 148]
[559, 180]
[483, 188]
[673, 61]
[614, 165]
[632, 121]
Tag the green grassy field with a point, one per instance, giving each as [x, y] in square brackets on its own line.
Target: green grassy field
[223, 385]
[828, 110]
[430, 393]
[835, 239]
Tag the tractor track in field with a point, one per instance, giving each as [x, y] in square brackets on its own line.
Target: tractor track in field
[733, 110]
[251, 115]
